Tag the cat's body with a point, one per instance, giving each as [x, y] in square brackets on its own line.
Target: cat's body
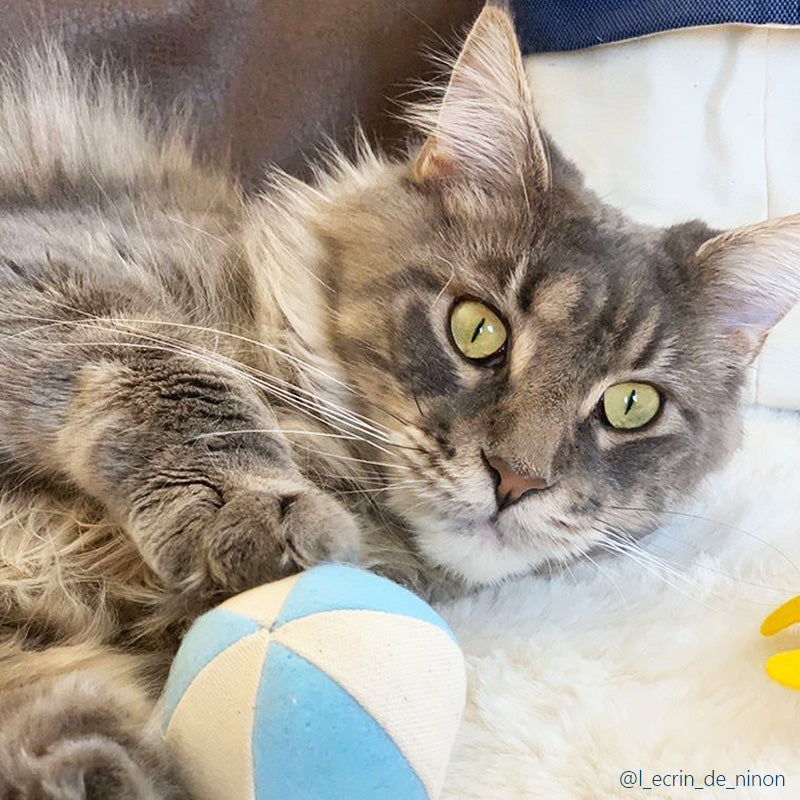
[142, 282]
[200, 393]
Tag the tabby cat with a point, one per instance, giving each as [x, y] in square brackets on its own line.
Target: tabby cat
[452, 368]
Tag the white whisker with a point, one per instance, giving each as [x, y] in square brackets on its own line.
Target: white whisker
[284, 431]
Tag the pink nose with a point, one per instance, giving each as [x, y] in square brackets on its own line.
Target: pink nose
[511, 486]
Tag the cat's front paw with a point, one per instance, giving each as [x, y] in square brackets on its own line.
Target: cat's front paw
[274, 529]
[218, 538]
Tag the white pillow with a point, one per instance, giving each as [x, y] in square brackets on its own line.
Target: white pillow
[700, 122]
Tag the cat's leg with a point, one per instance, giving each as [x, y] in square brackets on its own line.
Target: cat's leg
[182, 449]
[189, 457]
[85, 732]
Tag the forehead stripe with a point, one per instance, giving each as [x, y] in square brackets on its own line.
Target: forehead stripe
[648, 340]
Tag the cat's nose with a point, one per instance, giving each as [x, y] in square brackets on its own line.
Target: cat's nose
[512, 486]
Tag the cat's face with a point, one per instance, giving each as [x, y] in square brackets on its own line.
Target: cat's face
[551, 372]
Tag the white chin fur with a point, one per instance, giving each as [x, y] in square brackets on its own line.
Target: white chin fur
[476, 555]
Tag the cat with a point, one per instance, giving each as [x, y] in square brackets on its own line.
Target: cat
[452, 368]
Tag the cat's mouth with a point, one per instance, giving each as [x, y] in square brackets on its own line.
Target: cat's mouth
[483, 545]
[493, 529]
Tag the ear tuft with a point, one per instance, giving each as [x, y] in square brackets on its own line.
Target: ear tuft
[754, 274]
[484, 131]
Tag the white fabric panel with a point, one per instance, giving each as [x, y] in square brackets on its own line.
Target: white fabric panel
[408, 674]
[263, 603]
[702, 122]
[211, 730]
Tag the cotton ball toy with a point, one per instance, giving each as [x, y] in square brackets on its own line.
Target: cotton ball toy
[334, 684]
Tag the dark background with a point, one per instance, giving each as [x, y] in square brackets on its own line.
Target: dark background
[269, 79]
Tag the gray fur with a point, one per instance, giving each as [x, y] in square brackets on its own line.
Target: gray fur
[202, 393]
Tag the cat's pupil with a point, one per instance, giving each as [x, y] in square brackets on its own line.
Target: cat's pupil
[479, 330]
[630, 400]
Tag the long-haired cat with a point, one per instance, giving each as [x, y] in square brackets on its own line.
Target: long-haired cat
[452, 368]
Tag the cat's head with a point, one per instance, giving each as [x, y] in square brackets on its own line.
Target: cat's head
[550, 371]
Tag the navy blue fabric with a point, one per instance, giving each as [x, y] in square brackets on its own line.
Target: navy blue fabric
[551, 25]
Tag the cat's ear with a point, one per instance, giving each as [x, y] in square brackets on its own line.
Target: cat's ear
[754, 277]
[483, 131]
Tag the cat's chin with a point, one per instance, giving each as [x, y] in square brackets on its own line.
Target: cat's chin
[476, 552]
[468, 540]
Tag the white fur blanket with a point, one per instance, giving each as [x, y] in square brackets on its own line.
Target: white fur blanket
[651, 664]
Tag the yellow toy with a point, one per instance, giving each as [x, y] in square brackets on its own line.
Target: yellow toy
[784, 667]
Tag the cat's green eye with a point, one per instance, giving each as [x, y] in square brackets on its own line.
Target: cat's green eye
[477, 330]
[629, 405]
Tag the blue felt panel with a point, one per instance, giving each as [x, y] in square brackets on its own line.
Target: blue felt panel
[313, 741]
[552, 25]
[207, 638]
[331, 587]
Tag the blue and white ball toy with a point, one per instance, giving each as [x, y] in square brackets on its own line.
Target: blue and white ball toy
[334, 684]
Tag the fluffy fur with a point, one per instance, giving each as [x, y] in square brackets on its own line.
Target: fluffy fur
[202, 393]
